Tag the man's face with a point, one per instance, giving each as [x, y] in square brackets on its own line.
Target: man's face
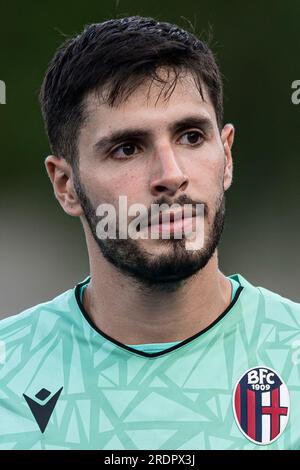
[166, 151]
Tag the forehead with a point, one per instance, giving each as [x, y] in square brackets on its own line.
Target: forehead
[152, 104]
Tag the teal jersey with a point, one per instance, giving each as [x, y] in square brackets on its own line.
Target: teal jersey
[65, 384]
[155, 347]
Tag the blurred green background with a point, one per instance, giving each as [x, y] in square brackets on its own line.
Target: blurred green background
[257, 45]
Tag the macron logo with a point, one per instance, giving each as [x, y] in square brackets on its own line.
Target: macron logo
[42, 412]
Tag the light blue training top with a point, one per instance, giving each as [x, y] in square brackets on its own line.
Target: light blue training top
[156, 347]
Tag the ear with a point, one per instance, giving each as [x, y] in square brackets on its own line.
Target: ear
[227, 137]
[61, 176]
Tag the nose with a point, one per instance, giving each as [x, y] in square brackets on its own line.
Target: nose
[170, 177]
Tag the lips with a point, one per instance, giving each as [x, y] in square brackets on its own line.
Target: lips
[170, 217]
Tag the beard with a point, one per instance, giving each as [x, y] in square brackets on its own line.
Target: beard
[168, 270]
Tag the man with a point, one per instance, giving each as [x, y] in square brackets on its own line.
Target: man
[157, 348]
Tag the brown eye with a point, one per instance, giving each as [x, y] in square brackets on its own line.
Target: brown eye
[128, 149]
[192, 137]
[124, 150]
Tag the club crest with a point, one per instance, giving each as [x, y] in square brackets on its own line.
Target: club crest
[261, 405]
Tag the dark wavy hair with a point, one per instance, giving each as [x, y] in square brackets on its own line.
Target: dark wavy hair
[119, 54]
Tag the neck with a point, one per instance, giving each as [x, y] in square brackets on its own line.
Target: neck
[131, 315]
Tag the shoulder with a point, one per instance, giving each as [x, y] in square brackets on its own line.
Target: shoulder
[39, 317]
[270, 302]
[274, 300]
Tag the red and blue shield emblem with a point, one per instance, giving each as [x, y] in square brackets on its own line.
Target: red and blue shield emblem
[261, 405]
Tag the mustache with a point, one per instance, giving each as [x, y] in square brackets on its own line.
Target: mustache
[168, 202]
[181, 200]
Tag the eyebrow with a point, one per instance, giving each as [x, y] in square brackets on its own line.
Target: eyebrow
[138, 133]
